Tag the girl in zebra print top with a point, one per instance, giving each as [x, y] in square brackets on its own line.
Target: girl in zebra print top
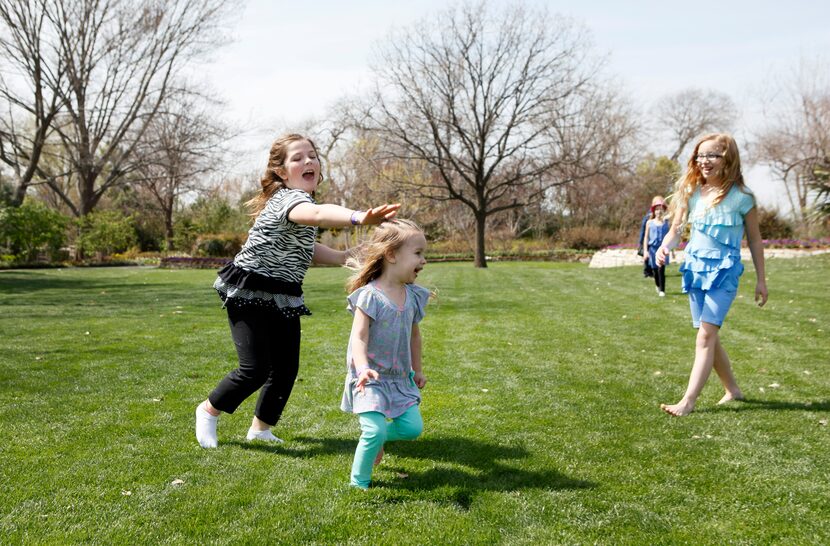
[262, 288]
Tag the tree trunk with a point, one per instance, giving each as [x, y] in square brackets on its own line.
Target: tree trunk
[168, 230]
[19, 194]
[481, 224]
[89, 197]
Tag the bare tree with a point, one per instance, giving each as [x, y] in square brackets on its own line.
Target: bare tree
[486, 102]
[357, 173]
[692, 112]
[119, 58]
[795, 143]
[31, 77]
[182, 145]
[822, 188]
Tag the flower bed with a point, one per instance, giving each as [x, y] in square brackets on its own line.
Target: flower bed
[553, 255]
[797, 243]
[173, 262]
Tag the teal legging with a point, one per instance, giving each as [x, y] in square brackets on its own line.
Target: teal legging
[376, 430]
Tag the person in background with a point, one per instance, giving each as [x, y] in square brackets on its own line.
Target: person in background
[641, 242]
[656, 230]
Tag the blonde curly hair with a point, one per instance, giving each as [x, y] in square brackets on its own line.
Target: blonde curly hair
[367, 261]
[692, 179]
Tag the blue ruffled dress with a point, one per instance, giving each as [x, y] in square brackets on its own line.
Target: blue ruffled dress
[713, 254]
[656, 234]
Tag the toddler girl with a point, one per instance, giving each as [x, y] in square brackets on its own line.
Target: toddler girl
[383, 361]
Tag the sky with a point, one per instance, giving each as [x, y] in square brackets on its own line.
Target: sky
[289, 60]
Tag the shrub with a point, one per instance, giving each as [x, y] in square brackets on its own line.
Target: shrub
[587, 237]
[207, 215]
[105, 233]
[6, 192]
[30, 228]
[218, 244]
[135, 256]
[772, 225]
[194, 263]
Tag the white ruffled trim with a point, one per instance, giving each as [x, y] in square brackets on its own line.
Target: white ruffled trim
[280, 300]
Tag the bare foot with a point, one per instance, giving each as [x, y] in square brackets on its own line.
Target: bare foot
[730, 397]
[379, 457]
[678, 410]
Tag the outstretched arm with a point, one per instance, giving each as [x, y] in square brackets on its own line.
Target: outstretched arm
[756, 248]
[324, 255]
[335, 216]
[415, 345]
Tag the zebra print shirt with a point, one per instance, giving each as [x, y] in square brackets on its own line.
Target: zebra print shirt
[277, 247]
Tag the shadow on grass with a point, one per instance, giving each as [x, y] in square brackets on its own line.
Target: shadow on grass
[471, 466]
[301, 447]
[750, 404]
[23, 282]
[489, 468]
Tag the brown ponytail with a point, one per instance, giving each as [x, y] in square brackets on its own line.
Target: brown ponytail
[272, 182]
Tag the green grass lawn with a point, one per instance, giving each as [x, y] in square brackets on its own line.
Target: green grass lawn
[542, 420]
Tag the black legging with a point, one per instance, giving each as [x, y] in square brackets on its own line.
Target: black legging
[268, 347]
[660, 278]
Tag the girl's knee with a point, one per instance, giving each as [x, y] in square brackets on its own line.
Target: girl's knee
[411, 426]
[252, 376]
[373, 436]
[707, 334]
[373, 428]
[412, 431]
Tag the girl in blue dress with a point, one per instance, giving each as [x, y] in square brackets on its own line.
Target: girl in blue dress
[656, 229]
[712, 198]
[383, 360]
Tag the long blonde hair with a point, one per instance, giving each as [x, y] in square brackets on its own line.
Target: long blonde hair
[271, 182]
[386, 238]
[730, 173]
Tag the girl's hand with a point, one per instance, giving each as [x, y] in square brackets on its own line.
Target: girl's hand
[366, 375]
[661, 255]
[761, 293]
[420, 379]
[379, 214]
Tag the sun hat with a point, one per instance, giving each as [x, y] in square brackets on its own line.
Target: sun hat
[658, 204]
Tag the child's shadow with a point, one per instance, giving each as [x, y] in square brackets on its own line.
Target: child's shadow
[470, 466]
[752, 404]
[489, 467]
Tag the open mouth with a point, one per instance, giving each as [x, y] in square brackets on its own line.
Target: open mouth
[309, 175]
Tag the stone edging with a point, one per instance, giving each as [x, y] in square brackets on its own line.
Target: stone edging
[619, 257]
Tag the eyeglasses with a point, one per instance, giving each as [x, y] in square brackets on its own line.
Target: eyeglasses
[700, 158]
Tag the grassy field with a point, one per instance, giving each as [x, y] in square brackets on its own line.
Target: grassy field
[541, 414]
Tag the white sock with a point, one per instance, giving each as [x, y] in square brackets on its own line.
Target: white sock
[206, 428]
[264, 435]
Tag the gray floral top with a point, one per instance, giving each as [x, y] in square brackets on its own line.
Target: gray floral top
[389, 352]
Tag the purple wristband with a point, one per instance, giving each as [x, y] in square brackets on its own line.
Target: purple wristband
[353, 219]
